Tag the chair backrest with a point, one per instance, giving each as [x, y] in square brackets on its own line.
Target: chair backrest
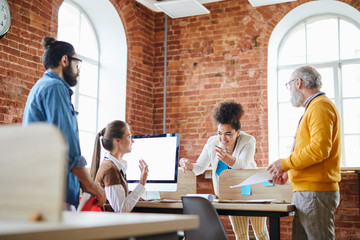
[258, 191]
[211, 227]
[186, 185]
[32, 172]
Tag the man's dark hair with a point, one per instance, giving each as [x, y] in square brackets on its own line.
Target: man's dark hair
[229, 113]
[54, 50]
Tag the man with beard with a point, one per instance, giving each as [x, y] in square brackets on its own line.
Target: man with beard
[313, 166]
[50, 101]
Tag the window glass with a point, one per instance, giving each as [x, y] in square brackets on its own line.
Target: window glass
[286, 144]
[352, 150]
[349, 40]
[88, 84]
[289, 117]
[327, 79]
[88, 43]
[87, 139]
[322, 40]
[293, 49]
[87, 113]
[351, 115]
[283, 78]
[351, 80]
[68, 24]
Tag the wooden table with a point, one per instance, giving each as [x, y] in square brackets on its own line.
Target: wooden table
[272, 211]
[100, 225]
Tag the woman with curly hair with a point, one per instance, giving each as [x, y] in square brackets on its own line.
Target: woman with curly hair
[231, 148]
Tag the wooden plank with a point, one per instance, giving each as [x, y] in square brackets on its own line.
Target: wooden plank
[95, 225]
[32, 172]
[273, 207]
[161, 206]
[186, 185]
[349, 169]
[258, 191]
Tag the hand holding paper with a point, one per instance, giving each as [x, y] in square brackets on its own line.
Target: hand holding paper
[256, 178]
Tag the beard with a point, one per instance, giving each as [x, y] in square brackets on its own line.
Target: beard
[69, 76]
[297, 98]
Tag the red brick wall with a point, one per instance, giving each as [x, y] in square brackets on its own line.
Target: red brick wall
[139, 28]
[20, 54]
[211, 58]
[347, 216]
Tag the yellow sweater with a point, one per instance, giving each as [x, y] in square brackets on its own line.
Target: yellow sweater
[314, 164]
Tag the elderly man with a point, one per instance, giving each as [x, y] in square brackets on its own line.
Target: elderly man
[313, 166]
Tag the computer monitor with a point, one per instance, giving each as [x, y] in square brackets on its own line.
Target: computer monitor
[161, 153]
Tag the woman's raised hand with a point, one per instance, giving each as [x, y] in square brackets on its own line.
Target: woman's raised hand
[144, 171]
[222, 153]
[186, 164]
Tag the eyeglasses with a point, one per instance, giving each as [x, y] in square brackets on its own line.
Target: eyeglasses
[78, 61]
[288, 83]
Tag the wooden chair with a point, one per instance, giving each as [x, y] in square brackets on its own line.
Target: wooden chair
[186, 185]
[211, 227]
[32, 172]
[258, 191]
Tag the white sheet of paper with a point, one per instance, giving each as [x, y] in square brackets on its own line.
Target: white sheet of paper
[209, 197]
[256, 178]
[84, 198]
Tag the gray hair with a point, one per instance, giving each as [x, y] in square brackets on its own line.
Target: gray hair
[310, 77]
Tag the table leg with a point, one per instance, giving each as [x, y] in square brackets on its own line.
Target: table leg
[164, 236]
[358, 173]
[274, 228]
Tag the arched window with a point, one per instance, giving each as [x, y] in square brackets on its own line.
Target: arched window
[75, 27]
[329, 41]
[100, 94]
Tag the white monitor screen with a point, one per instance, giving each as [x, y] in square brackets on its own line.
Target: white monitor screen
[161, 153]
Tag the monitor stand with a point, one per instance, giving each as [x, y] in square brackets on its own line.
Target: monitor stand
[152, 195]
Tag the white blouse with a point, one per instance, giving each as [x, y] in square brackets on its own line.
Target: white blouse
[244, 153]
[116, 193]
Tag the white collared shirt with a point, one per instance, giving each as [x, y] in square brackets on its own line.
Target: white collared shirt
[116, 193]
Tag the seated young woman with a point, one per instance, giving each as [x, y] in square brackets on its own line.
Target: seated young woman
[111, 175]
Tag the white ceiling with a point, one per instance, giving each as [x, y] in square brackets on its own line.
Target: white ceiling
[185, 8]
[182, 8]
[258, 3]
[150, 3]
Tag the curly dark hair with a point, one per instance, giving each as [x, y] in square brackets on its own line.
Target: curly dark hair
[229, 113]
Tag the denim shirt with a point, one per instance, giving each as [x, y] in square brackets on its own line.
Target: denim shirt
[50, 101]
